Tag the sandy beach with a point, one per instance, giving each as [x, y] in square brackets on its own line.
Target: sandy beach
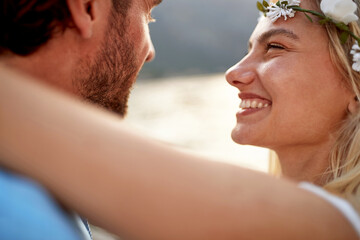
[196, 113]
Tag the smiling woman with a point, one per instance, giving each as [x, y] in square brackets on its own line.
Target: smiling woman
[311, 84]
[276, 72]
[299, 91]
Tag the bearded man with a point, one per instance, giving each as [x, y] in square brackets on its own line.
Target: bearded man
[92, 49]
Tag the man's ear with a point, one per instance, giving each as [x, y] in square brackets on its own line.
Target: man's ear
[353, 105]
[83, 15]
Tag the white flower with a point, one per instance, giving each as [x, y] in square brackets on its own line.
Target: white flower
[339, 10]
[275, 11]
[356, 57]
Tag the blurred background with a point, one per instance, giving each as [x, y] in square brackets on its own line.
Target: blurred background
[182, 97]
[199, 36]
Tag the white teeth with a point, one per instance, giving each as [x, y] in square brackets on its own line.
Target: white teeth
[246, 104]
[254, 104]
[242, 104]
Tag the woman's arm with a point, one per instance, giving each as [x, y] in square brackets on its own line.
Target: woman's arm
[141, 189]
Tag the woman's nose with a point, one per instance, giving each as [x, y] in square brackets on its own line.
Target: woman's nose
[239, 75]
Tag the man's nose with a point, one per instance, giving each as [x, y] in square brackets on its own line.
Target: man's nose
[151, 53]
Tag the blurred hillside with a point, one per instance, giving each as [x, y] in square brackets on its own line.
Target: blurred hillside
[196, 113]
[199, 36]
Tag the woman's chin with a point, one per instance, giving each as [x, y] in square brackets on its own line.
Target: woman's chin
[243, 137]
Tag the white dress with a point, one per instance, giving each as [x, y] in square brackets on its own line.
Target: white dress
[341, 204]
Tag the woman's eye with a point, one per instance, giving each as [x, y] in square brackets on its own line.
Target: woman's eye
[274, 46]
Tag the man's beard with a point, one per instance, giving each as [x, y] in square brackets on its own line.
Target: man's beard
[109, 78]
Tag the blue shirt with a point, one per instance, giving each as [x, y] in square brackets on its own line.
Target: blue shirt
[29, 212]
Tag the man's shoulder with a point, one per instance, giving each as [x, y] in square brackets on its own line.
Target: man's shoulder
[27, 211]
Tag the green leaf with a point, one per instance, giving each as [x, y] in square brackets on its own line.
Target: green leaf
[265, 3]
[342, 26]
[278, 4]
[260, 7]
[344, 37]
[285, 2]
[308, 17]
[323, 21]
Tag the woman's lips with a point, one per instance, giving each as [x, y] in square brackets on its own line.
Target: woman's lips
[251, 103]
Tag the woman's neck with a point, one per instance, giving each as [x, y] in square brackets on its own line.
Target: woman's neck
[305, 163]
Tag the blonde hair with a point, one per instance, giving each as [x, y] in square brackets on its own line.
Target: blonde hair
[343, 175]
[344, 169]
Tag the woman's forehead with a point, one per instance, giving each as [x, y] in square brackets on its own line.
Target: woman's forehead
[310, 4]
[296, 28]
[266, 29]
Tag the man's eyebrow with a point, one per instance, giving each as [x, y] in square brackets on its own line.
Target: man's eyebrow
[157, 2]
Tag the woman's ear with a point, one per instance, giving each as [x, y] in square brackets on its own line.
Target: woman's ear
[83, 14]
[353, 105]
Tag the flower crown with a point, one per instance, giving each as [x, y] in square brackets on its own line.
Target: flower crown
[338, 12]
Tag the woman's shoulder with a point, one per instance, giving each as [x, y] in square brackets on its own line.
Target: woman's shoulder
[347, 210]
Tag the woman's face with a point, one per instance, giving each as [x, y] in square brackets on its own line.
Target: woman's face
[291, 93]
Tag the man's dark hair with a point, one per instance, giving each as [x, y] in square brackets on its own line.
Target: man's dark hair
[25, 25]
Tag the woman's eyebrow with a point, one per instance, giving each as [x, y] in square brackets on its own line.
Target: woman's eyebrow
[280, 31]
